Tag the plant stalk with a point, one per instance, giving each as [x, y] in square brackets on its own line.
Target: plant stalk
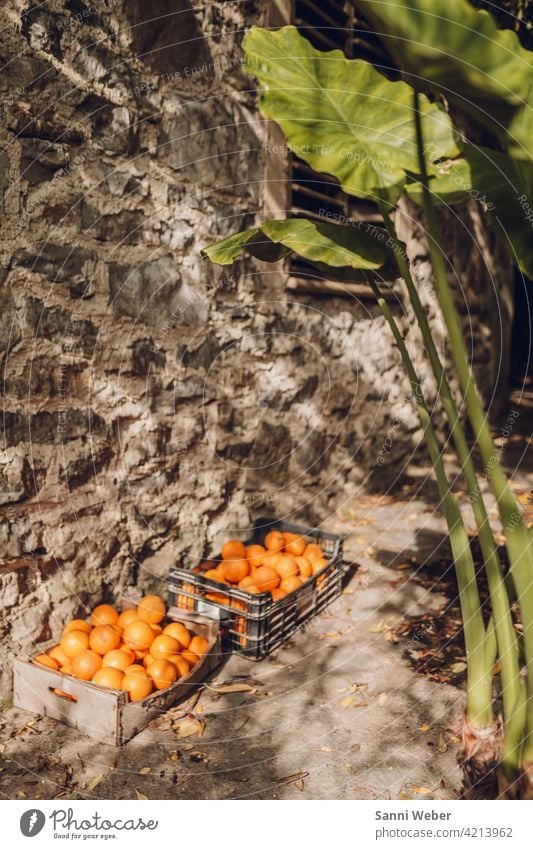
[517, 537]
[506, 636]
[479, 656]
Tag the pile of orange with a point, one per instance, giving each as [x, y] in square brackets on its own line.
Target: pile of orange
[280, 566]
[135, 650]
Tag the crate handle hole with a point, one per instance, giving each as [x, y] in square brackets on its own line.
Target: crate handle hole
[62, 695]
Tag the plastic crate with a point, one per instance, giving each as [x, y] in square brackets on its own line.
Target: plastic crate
[255, 625]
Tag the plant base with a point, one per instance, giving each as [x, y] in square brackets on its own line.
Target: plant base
[520, 787]
[480, 759]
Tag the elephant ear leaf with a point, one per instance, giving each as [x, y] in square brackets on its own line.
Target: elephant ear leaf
[347, 252]
[451, 47]
[342, 116]
[490, 177]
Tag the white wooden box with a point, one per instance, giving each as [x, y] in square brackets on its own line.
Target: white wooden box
[107, 714]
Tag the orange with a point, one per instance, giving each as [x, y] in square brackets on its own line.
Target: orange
[77, 625]
[274, 541]
[118, 659]
[138, 635]
[266, 578]
[313, 552]
[319, 564]
[163, 673]
[85, 664]
[135, 669]
[157, 629]
[73, 642]
[272, 559]
[108, 676]
[233, 548]
[163, 646]
[181, 663]
[151, 609]
[215, 575]
[67, 669]
[104, 614]
[254, 590]
[140, 655]
[246, 583]
[103, 639]
[46, 660]
[278, 594]
[286, 566]
[137, 686]
[190, 657]
[126, 617]
[57, 654]
[179, 632]
[295, 545]
[288, 585]
[306, 570]
[198, 645]
[234, 570]
[147, 660]
[254, 555]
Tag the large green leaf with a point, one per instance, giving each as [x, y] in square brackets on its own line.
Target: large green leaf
[490, 177]
[342, 116]
[449, 46]
[348, 252]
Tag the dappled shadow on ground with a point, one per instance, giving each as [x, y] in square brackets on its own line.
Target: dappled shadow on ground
[334, 713]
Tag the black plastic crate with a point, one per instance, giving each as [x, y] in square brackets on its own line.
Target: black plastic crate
[255, 625]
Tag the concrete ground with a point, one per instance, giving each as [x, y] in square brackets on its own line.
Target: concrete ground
[337, 712]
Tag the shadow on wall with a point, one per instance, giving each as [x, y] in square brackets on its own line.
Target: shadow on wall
[166, 35]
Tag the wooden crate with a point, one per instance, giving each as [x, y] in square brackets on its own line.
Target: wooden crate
[103, 713]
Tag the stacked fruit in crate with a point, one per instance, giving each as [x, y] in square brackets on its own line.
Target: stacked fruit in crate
[280, 566]
[136, 651]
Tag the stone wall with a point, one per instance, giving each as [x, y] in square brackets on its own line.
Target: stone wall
[151, 402]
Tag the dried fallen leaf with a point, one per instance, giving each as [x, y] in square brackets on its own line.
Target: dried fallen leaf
[189, 726]
[443, 746]
[299, 785]
[144, 770]
[425, 727]
[345, 703]
[289, 779]
[382, 698]
[324, 749]
[456, 668]
[422, 791]
[94, 782]
[140, 795]
[231, 688]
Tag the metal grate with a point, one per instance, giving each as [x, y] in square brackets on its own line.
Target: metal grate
[329, 25]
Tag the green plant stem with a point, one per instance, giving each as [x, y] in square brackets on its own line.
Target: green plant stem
[506, 636]
[517, 538]
[479, 656]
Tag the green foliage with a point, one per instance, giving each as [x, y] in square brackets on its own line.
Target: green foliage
[492, 178]
[342, 116]
[450, 47]
[349, 252]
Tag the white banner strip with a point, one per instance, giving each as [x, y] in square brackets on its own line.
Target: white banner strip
[358, 824]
